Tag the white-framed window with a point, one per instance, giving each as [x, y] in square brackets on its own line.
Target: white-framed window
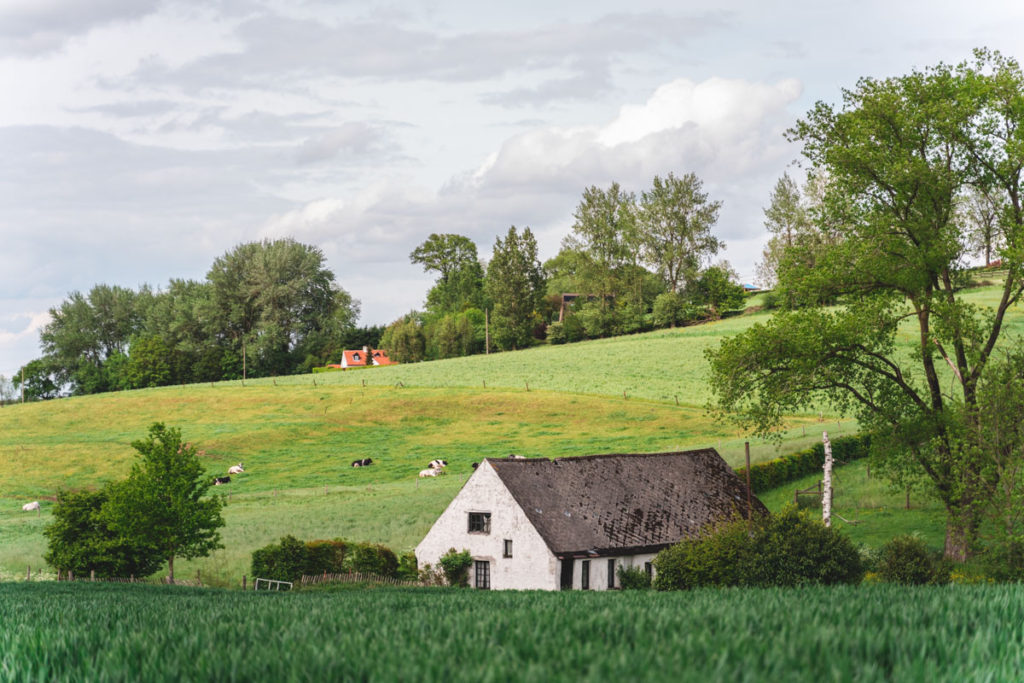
[483, 574]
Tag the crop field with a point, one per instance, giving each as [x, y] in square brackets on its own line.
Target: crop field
[96, 632]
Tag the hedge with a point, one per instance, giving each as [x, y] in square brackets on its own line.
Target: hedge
[765, 476]
[291, 558]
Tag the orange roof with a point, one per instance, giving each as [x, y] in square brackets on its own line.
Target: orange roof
[380, 357]
[354, 358]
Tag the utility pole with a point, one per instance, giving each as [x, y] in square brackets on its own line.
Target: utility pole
[826, 493]
[22, 383]
[487, 331]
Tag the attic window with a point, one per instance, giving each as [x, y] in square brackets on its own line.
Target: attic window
[479, 522]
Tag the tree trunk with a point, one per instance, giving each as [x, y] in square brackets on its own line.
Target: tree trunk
[960, 533]
[170, 570]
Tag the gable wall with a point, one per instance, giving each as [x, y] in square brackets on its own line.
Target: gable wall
[532, 565]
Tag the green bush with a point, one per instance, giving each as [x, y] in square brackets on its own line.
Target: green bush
[633, 578]
[455, 566]
[325, 556]
[774, 473]
[371, 558]
[787, 549]
[907, 560]
[407, 569]
[284, 561]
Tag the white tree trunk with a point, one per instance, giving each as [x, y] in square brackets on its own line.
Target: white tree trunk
[826, 493]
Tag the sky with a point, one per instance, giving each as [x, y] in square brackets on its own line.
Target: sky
[141, 139]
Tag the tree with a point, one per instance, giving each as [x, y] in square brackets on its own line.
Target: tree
[148, 362]
[604, 235]
[39, 381]
[404, 340]
[454, 258]
[980, 212]
[675, 224]
[515, 283]
[787, 219]
[897, 154]
[716, 290]
[163, 502]
[81, 540]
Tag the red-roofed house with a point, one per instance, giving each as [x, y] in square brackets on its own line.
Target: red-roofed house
[358, 358]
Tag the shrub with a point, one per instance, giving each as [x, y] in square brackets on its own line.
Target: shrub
[774, 473]
[407, 570]
[907, 560]
[633, 578]
[370, 558]
[284, 561]
[455, 566]
[787, 549]
[556, 333]
[325, 556]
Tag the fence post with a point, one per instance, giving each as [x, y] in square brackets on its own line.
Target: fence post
[746, 445]
[243, 582]
[92, 575]
[28, 574]
[198, 580]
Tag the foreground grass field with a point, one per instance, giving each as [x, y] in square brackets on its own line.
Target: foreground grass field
[94, 632]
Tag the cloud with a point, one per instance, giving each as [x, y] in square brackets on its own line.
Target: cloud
[357, 138]
[37, 26]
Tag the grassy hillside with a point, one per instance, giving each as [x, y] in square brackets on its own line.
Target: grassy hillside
[296, 437]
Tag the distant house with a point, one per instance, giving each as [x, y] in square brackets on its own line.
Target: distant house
[570, 523]
[359, 358]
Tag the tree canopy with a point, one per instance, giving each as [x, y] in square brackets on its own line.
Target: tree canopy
[898, 153]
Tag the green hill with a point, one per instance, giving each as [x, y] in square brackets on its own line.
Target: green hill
[298, 435]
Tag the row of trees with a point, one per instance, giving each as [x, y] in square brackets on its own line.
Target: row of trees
[636, 262]
[265, 308]
[901, 164]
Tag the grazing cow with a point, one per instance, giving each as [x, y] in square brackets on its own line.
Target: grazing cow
[28, 507]
[438, 464]
[475, 465]
[429, 473]
[365, 462]
[236, 469]
[217, 481]
[513, 456]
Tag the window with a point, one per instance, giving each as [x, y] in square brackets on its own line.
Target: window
[649, 568]
[585, 575]
[508, 548]
[479, 522]
[611, 574]
[483, 574]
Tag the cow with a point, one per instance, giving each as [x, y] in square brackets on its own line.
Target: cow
[513, 456]
[475, 465]
[438, 464]
[236, 469]
[429, 473]
[28, 507]
[365, 462]
[217, 481]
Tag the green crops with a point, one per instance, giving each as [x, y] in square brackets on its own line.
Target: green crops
[83, 632]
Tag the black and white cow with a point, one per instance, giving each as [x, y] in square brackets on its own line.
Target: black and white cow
[217, 481]
[513, 456]
[438, 464]
[365, 462]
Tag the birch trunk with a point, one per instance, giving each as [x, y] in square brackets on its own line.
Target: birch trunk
[826, 493]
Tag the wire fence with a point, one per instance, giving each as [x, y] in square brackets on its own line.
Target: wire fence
[355, 577]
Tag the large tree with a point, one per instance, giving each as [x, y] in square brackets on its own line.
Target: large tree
[604, 239]
[164, 501]
[898, 153]
[786, 218]
[460, 276]
[515, 283]
[675, 221]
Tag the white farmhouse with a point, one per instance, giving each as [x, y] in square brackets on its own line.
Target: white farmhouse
[569, 523]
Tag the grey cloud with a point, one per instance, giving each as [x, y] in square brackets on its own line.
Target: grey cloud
[37, 26]
[589, 80]
[354, 138]
[129, 109]
[280, 50]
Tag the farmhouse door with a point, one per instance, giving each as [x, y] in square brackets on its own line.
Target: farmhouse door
[567, 574]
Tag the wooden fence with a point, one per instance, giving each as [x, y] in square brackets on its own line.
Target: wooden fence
[355, 577]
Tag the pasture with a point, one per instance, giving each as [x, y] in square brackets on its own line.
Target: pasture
[97, 632]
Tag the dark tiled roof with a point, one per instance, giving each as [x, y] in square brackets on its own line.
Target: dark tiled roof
[605, 503]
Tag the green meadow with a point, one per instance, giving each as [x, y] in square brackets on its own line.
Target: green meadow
[298, 435]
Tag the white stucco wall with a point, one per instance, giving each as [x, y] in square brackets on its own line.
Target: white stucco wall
[532, 565]
[599, 570]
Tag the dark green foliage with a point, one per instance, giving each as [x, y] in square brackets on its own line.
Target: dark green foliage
[633, 578]
[455, 566]
[290, 559]
[372, 558]
[786, 549]
[907, 560]
[283, 561]
[407, 567]
[40, 381]
[671, 309]
[515, 284]
[714, 290]
[460, 282]
[774, 473]
[80, 540]
[163, 502]
[404, 340]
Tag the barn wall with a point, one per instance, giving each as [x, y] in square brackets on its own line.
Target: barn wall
[599, 570]
[532, 566]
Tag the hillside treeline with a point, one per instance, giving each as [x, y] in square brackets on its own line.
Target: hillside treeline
[633, 262]
[265, 308]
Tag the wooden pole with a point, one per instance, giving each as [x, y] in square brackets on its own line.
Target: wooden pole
[750, 505]
[243, 581]
[28, 573]
[487, 331]
[23, 384]
[826, 494]
[92, 575]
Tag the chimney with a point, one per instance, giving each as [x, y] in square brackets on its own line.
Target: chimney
[367, 355]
